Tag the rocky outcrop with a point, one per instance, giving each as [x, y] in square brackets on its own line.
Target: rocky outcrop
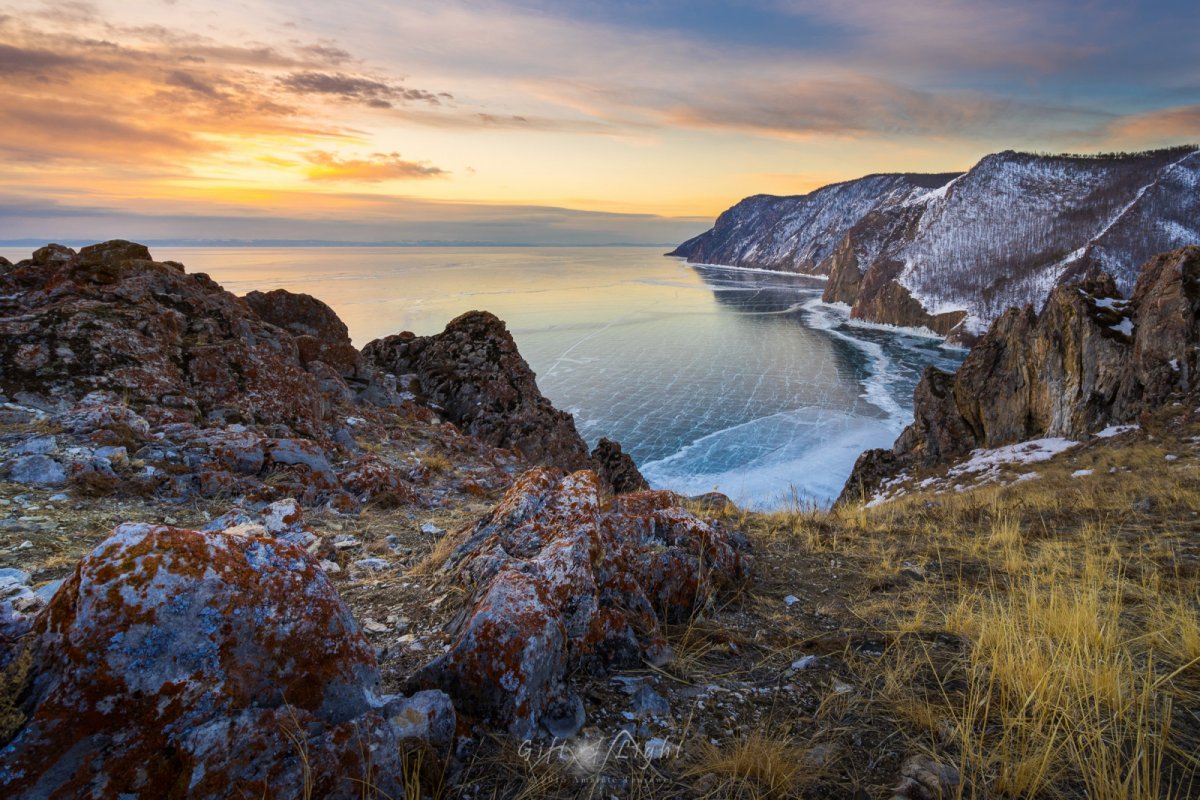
[178, 663]
[320, 335]
[1088, 360]
[561, 582]
[953, 253]
[616, 468]
[474, 374]
[167, 384]
[175, 346]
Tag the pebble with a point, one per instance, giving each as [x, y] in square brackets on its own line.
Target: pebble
[791, 600]
[432, 530]
[803, 663]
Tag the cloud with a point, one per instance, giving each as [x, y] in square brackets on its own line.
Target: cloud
[372, 169]
[16, 61]
[864, 106]
[186, 80]
[325, 52]
[55, 131]
[1173, 125]
[375, 93]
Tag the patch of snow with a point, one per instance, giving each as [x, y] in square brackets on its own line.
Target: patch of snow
[1115, 430]
[1081, 473]
[1030, 452]
[1125, 327]
[1116, 303]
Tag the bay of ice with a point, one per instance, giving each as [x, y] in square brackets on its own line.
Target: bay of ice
[712, 378]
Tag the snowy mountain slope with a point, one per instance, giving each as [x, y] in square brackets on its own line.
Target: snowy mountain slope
[797, 234]
[954, 255]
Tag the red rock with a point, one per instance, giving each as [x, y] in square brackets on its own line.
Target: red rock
[473, 371]
[617, 468]
[200, 665]
[370, 476]
[565, 583]
[111, 318]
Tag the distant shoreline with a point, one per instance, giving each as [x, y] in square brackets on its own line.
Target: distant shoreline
[40, 242]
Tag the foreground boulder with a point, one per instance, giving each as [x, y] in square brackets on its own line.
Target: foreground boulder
[1088, 360]
[177, 663]
[472, 371]
[561, 582]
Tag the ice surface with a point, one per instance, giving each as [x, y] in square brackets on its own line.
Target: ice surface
[710, 377]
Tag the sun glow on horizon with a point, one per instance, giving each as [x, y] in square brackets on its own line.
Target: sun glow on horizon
[531, 121]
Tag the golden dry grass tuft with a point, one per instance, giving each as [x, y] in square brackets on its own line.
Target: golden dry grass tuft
[763, 765]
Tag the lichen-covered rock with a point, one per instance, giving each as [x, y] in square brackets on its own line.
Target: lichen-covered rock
[177, 663]
[320, 334]
[369, 477]
[473, 371]
[617, 468]
[174, 346]
[562, 582]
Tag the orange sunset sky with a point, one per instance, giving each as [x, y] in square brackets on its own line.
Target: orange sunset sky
[562, 122]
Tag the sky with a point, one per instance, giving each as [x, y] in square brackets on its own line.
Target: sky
[544, 121]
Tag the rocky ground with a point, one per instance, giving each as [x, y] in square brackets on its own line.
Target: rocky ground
[384, 605]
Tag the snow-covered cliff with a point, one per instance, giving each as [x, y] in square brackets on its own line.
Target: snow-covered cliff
[953, 252]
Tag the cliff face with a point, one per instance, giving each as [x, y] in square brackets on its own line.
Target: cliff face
[799, 234]
[1088, 360]
[953, 253]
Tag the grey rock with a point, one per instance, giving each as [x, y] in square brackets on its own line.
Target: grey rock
[37, 470]
[425, 716]
[649, 703]
[38, 445]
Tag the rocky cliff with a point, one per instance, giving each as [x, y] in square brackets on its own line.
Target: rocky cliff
[473, 372]
[953, 253]
[212, 393]
[1089, 359]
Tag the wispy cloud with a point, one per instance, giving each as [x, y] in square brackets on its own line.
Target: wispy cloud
[374, 168]
[375, 93]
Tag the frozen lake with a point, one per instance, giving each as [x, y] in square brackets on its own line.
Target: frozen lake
[712, 378]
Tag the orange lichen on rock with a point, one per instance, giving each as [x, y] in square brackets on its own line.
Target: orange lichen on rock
[563, 582]
[190, 664]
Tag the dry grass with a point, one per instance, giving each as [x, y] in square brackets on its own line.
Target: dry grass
[433, 562]
[1079, 618]
[436, 463]
[764, 765]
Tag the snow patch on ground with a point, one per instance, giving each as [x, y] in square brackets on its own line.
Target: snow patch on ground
[1115, 430]
[981, 467]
